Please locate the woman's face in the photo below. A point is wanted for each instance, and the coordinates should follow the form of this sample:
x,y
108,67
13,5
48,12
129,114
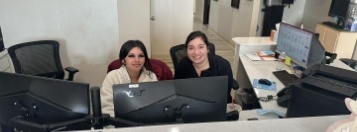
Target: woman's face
x,y
135,60
197,50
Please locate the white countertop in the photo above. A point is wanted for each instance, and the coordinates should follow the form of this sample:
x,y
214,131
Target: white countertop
x,y
253,41
264,69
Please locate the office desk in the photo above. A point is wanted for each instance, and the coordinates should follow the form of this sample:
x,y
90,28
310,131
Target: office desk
x,y
264,69
258,70
249,45
248,70
311,124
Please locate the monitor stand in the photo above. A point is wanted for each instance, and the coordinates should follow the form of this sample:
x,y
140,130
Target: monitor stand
x,y
23,121
175,115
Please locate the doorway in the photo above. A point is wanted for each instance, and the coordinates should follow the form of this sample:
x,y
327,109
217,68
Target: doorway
x,y
171,22
206,7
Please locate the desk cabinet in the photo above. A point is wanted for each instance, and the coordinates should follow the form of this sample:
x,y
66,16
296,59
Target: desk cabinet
x,y
5,62
337,41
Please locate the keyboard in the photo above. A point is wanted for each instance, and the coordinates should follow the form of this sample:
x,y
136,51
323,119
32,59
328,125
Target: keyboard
x,y
284,77
331,24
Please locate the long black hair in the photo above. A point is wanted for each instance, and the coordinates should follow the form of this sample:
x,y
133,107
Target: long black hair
x,y
130,44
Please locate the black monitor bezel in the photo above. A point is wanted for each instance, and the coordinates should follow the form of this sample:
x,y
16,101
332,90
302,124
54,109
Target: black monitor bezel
x,y
221,105
26,97
333,14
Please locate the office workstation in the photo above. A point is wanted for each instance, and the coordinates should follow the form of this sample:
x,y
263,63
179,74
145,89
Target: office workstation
x,y
253,70
179,101
62,114
83,114
248,70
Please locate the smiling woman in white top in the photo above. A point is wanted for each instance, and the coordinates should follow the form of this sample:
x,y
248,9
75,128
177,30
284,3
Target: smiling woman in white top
x,y
136,68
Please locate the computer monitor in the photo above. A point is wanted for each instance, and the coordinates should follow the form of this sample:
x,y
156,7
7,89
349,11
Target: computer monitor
x,y
172,101
339,8
31,102
302,46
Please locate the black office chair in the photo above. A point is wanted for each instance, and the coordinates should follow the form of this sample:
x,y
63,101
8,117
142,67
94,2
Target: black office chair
x,y
350,62
330,57
179,51
39,58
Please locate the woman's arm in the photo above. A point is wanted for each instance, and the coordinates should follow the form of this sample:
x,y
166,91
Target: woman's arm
x,y
106,95
226,69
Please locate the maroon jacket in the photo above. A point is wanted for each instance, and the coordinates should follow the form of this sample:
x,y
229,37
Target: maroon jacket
x,y
161,69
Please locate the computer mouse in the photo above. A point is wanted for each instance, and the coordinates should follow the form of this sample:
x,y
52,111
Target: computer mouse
x,y
264,82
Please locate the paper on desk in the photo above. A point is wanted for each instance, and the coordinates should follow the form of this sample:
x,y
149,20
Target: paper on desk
x,y
253,56
263,112
256,84
268,58
266,53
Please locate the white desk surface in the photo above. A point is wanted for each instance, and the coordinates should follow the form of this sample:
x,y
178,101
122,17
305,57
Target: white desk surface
x,y
253,41
310,124
264,69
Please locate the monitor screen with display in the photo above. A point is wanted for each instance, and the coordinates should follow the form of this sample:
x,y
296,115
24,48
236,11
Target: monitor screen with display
x,y
31,103
339,8
302,46
172,101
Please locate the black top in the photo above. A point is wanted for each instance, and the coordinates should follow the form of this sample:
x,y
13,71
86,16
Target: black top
x,y
218,66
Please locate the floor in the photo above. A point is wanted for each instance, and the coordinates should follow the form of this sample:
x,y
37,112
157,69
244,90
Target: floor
x,y
223,48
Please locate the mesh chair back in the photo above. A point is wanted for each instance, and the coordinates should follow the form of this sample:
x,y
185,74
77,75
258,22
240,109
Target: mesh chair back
x,y
39,58
179,51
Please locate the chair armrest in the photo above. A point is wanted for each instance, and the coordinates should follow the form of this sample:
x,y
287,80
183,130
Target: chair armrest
x,y
332,57
235,84
71,71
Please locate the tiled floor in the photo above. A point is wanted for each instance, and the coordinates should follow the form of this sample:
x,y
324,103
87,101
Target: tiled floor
x,y
222,47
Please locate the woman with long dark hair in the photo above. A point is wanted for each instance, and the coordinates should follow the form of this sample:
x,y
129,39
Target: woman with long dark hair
x,y
136,68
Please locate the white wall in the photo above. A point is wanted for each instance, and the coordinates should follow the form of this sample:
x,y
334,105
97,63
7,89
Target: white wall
x,y
294,15
199,4
134,22
316,11
260,19
173,22
86,29
229,22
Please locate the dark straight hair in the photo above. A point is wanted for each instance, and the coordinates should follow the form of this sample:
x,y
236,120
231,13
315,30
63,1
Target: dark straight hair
x,y
196,34
130,44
